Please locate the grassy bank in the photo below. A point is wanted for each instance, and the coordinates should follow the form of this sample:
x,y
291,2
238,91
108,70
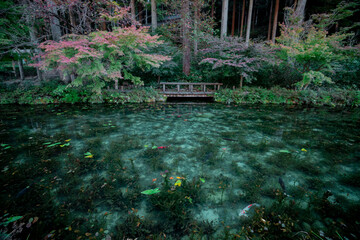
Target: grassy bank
x,y
52,93
321,97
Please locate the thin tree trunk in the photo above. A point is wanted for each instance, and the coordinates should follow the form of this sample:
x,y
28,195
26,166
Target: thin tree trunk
x,y
116,84
241,81
224,18
249,23
141,12
34,43
54,22
300,10
275,21
186,36
21,69
213,9
146,15
254,17
270,15
196,26
153,16
242,19
14,68
132,9
72,19
233,19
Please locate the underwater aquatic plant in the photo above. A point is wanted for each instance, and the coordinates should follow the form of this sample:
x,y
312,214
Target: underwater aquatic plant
x,y
151,191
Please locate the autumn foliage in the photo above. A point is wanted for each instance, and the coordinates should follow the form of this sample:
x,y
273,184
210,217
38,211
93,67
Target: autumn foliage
x,y
102,56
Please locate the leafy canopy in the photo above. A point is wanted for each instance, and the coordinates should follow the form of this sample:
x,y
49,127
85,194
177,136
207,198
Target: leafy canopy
x,y
102,56
311,50
232,57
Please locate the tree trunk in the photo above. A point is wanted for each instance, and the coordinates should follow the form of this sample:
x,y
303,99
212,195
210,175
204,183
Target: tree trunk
x,y
213,9
72,19
275,21
153,16
196,25
34,43
242,19
300,10
233,19
116,84
186,36
254,18
241,81
54,22
132,9
140,12
21,69
224,18
14,68
249,23
270,15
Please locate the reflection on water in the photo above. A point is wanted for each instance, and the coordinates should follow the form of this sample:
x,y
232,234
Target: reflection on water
x,y
170,171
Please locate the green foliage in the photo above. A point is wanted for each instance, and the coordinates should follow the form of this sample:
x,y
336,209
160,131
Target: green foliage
x,y
315,78
232,58
335,97
312,51
103,56
13,31
51,92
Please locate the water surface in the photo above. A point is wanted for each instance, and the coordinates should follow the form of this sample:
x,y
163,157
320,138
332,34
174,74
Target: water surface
x,y
80,171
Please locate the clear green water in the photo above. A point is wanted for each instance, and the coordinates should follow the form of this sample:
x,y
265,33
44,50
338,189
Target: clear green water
x,y
80,170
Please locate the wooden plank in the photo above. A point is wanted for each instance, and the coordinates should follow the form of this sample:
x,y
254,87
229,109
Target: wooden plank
x,y
184,83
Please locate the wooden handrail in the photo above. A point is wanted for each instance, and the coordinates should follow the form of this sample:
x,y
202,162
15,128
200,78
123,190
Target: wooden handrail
x,y
191,86
184,83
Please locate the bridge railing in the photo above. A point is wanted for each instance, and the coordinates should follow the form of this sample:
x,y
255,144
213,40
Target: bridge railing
x,y
186,88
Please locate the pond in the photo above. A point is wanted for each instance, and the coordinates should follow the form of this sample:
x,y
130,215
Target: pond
x,y
179,171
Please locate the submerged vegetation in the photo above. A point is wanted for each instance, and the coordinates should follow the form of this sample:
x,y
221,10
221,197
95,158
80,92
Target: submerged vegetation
x,y
88,152
96,172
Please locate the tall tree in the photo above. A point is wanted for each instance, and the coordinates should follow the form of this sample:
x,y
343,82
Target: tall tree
x,y
34,41
242,19
21,68
132,9
54,22
248,28
300,10
185,17
224,18
275,23
153,16
270,16
233,19
213,9
197,6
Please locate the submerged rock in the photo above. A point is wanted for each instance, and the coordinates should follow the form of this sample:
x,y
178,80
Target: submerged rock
x,y
319,226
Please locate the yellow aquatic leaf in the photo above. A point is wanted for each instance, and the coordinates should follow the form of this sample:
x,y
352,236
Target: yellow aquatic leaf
x,y
178,183
304,150
89,156
67,140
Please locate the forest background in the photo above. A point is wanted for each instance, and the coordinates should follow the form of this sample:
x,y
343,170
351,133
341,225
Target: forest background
x,y
83,47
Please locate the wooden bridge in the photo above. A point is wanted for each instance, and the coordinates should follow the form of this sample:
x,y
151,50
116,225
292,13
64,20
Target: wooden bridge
x,y
183,89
